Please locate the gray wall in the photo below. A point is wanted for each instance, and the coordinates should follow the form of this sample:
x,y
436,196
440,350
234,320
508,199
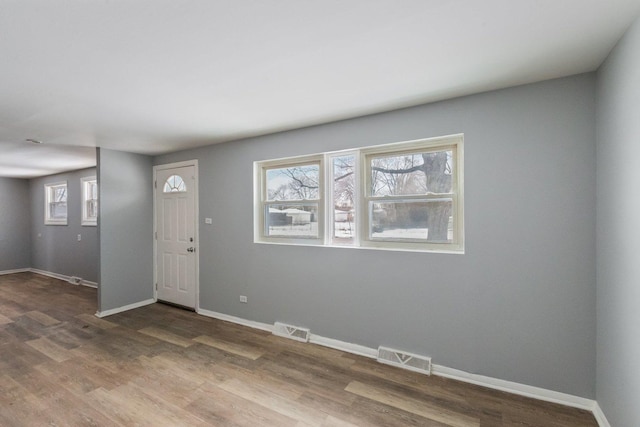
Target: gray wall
x,y
126,229
55,248
618,119
15,232
519,305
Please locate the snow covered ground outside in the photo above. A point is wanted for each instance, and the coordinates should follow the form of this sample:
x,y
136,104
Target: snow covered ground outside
x,y
346,230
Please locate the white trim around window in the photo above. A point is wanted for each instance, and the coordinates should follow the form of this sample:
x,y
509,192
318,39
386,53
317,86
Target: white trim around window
x,y
55,203
89,189
290,200
399,196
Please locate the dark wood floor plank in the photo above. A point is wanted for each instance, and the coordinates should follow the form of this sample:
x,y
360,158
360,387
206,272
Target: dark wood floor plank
x,y
42,318
159,365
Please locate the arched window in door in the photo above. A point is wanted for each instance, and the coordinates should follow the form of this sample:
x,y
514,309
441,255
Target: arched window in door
x,y
174,184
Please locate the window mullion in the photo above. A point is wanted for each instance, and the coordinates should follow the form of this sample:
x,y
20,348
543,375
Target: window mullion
x,y
388,192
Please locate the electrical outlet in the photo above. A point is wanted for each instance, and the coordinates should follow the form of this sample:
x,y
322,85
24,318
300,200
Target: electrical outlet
x,y
208,221
79,237
243,299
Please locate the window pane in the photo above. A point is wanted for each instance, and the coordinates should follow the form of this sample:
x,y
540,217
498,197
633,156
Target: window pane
x,y
344,182
92,190
411,174
431,221
92,209
174,184
58,210
293,183
59,193
292,220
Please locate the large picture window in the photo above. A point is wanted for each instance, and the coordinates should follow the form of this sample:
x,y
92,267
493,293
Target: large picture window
x,y
404,196
55,203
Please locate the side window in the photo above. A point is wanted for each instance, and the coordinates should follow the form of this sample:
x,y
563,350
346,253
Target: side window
x,y
344,194
55,203
411,196
290,202
89,187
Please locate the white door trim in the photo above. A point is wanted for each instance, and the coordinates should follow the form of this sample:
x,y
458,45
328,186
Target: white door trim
x,y
196,200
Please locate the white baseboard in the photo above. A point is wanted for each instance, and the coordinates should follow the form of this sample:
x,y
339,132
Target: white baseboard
x,y
89,284
443,371
237,320
515,388
94,285
314,339
600,418
347,347
50,274
63,277
18,270
128,307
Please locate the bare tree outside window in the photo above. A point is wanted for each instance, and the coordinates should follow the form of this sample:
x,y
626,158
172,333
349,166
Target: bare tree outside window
x,y
58,205
399,196
290,188
293,183
399,181
55,203
344,195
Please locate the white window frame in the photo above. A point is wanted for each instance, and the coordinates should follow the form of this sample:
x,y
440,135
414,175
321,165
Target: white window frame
x,y
48,195
84,185
261,202
329,204
452,143
362,239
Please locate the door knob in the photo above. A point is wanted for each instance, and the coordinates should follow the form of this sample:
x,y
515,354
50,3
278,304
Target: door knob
x,y
191,249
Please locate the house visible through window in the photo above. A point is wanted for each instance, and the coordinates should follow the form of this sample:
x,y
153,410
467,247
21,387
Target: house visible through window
x,y
405,196
344,198
89,200
292,203
55,211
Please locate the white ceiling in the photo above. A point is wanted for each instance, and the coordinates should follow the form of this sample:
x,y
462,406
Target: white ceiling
x,y
153,76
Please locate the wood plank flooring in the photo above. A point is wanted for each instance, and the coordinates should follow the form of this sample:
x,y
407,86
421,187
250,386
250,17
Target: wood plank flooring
x,y
162,366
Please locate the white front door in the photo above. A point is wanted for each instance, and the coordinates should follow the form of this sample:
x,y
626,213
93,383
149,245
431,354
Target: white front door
x,y
176,235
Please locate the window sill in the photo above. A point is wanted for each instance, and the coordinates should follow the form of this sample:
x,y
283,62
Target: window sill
x,y
457,251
